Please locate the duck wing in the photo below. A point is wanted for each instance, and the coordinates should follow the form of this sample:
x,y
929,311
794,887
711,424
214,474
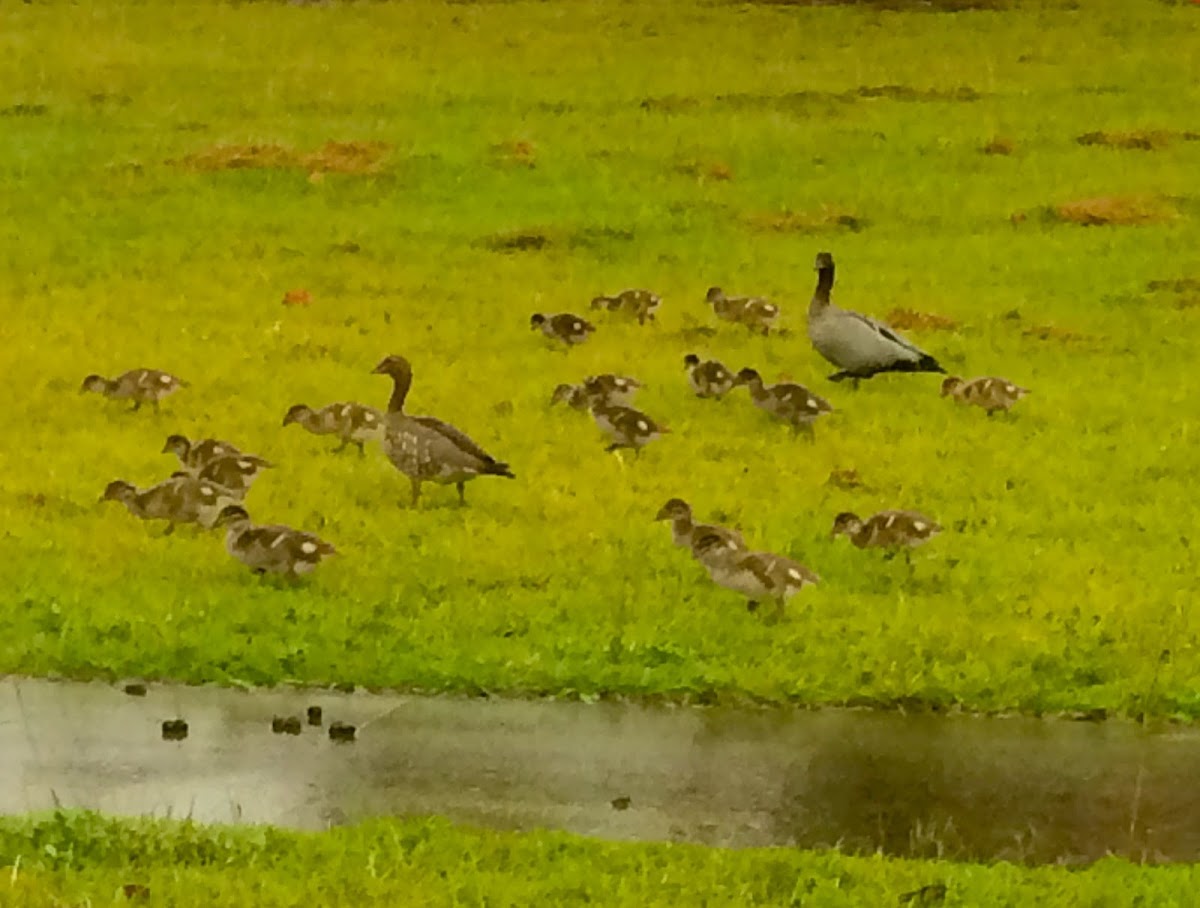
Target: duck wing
x,y
461,441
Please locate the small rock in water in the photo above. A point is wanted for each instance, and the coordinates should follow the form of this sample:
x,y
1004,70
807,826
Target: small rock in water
x,y
621,803
174,729
314,715
341,731
135,689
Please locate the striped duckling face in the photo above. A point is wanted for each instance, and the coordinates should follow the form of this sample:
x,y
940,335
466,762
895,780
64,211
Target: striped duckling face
x,y
887,529
298,413
565,327
119,490
992,394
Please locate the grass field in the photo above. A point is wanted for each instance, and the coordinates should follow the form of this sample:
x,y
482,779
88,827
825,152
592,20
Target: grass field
x,y
77,859
651,144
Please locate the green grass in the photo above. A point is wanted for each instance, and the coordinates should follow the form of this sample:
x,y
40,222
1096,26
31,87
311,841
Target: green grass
x,y
77,859
1063,579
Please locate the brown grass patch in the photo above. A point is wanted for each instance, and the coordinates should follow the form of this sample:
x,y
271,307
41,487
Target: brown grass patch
x,y
534,239
1179,285
907,319
1114,210
1139,139
1054,333
332,157
999,145
827,218
705,171
845,479
1185,289
515,153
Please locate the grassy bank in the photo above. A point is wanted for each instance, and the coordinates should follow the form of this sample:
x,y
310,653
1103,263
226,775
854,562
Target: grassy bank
x,y
86,859
629,144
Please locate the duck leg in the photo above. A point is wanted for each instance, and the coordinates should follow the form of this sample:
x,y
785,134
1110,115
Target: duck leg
x,y
361,450
416,491
462,493
342,446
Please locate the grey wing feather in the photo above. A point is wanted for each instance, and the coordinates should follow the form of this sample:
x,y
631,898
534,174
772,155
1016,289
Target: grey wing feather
x,y
456,436
887,332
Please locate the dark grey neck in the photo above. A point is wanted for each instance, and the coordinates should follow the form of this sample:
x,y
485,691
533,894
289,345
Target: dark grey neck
x,y
399,393
824,284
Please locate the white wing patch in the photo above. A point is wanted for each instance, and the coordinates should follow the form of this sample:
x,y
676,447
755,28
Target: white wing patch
x,y
641,424
165,379
308,548
919,526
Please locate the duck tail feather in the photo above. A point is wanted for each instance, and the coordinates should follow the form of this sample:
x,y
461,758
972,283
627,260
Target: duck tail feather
x,y
496,468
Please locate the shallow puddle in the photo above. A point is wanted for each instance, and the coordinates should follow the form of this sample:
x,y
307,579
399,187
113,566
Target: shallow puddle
x,y
1018,789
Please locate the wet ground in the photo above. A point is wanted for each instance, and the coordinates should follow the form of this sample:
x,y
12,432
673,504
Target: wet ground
x,y
1018,789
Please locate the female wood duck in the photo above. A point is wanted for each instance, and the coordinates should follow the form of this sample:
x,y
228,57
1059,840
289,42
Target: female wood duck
x,y
426,449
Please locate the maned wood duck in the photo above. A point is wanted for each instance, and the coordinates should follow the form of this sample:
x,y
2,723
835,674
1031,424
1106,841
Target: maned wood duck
x,y
195,455
426,449
894,530
859,346
352,423
754,312
271,549
236,472
787,401
709,378
756,575
180,499
139,385
626,427
685,531
990,393
564,327
642,304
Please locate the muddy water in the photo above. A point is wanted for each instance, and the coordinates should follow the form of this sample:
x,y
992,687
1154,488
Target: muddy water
x,y
1018,789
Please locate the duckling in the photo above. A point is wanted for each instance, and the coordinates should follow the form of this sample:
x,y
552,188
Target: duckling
x,y
709,378
788,401
625,426
892,530
859,346
990,393
564,327
195,455
180,499
426,449
236,472
754,312
641,304
273,549
351,422
756,575
139,385
685,532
